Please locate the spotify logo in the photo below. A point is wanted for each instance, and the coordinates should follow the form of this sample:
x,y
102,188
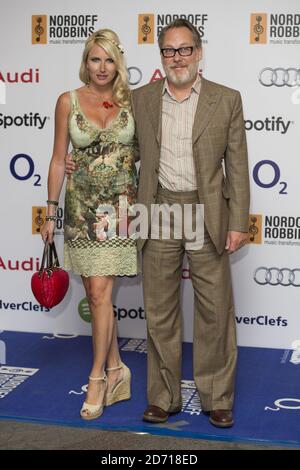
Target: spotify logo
x,y
84,310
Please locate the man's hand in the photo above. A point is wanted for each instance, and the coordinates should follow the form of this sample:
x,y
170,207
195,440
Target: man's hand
x,y
70,165
235,240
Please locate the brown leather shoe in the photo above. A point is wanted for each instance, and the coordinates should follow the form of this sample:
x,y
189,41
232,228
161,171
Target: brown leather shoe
x,y
154,414
221,418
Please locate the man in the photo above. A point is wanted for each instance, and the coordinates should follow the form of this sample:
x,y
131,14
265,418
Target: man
x,y
186,126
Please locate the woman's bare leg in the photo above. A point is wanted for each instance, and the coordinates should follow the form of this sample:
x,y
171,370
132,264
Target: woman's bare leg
x,y
99,293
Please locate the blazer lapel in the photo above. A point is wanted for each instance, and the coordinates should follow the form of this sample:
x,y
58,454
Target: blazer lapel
x,y
154,107
207,103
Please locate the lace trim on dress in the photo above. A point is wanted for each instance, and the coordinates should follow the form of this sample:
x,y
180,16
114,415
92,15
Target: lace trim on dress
x,y
99,260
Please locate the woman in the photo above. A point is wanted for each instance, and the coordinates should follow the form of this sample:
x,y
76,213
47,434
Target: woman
x,y
97,119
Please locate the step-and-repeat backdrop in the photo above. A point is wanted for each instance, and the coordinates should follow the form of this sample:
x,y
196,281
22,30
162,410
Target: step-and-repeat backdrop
x,y
251,46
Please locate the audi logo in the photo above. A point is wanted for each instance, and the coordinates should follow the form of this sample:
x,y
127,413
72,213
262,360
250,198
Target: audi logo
x,y
280,77
134,75
277,276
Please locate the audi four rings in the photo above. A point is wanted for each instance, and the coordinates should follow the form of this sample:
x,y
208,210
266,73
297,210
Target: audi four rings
x,y
277,276
280,77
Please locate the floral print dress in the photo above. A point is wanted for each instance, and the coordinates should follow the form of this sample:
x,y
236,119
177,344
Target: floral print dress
x,y
100,195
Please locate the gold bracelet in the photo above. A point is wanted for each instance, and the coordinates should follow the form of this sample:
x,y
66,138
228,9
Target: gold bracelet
x,y
52,203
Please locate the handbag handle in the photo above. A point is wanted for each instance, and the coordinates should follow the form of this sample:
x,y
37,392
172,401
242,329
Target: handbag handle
x,y
51,255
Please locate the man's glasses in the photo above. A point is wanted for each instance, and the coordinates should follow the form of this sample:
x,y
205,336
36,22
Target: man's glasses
x,y
168,52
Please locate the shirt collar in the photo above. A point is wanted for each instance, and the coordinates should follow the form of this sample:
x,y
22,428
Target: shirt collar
x,y
195,87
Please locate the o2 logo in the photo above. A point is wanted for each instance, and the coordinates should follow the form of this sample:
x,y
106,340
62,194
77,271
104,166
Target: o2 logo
x,y
263,181
134,75
22,168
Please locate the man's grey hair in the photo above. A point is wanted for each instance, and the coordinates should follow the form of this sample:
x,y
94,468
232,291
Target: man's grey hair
x,y
180,23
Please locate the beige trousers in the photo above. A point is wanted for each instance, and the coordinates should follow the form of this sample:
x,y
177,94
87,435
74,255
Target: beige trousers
x,y
214,340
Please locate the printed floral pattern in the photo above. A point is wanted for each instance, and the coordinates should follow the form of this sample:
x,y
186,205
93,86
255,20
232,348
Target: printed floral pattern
x,y
105,176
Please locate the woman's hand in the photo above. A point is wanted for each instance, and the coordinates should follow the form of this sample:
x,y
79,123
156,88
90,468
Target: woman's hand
x,y
47,231
70,165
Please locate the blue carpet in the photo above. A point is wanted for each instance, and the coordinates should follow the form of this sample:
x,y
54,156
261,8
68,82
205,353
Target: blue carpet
x,y
42,379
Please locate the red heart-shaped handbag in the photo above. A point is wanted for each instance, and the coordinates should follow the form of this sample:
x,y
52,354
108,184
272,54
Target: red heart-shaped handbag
x,y
50,284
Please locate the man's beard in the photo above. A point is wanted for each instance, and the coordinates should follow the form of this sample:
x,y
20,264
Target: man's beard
x,y
185,76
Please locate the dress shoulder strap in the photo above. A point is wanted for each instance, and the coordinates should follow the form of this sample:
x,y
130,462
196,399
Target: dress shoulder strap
x,y
74,100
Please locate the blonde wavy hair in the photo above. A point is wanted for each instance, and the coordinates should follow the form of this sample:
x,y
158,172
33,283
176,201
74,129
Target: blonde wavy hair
x,y
109,41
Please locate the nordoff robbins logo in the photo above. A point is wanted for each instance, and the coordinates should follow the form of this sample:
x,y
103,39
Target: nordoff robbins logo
x,y
280,77
277,276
